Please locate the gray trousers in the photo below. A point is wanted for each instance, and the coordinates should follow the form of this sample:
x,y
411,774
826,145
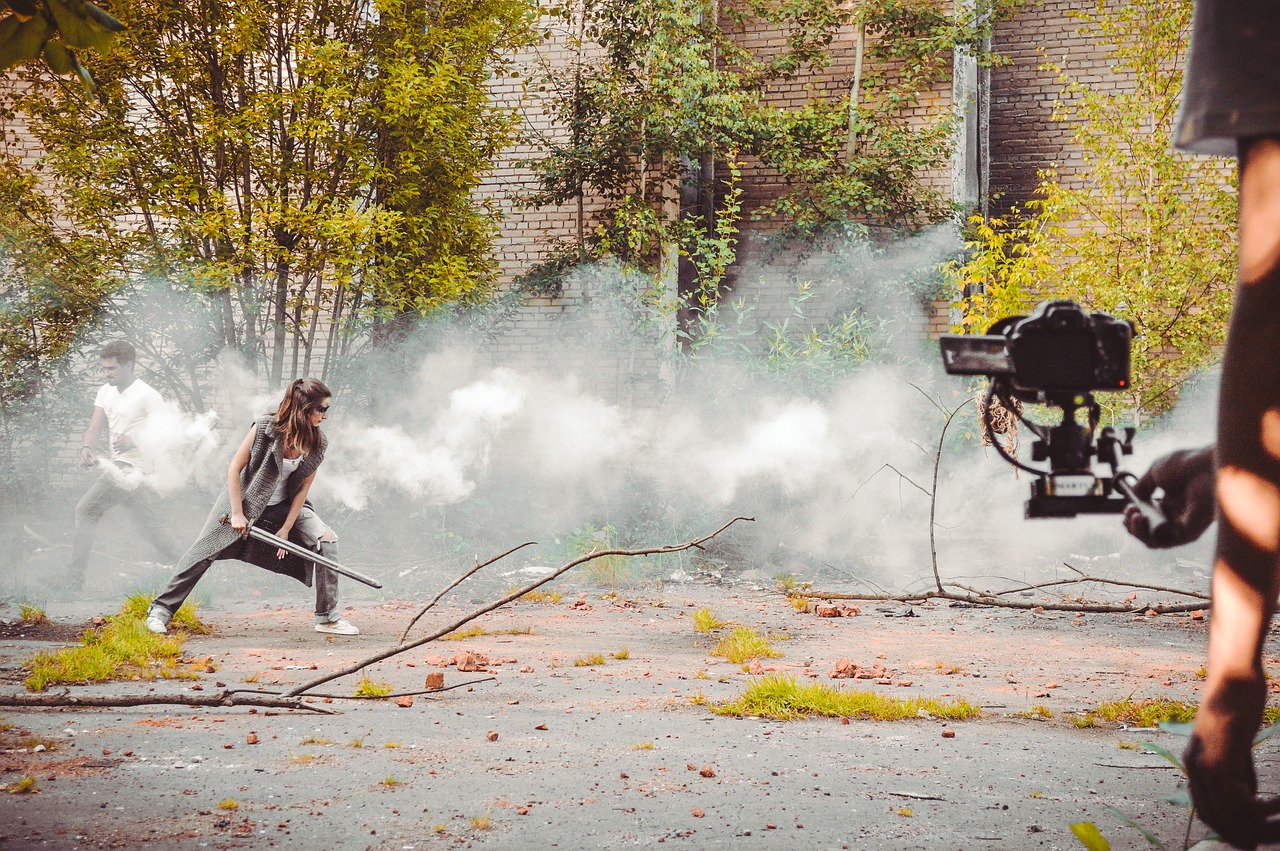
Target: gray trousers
x,y
309,527
142,502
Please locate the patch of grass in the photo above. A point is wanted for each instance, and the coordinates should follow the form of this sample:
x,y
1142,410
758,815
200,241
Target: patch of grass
x,y
905,812
1128,746
1271,715
799,602
785,582
481,822
120,648
642,746
391,745
356,743
24,786
588,661
228,804
391,781
947,669
184,620
1038,711
702,675
704,621
316,740
743,645
252,678
474,631
368,688
31,615
622,655
303,759
1141,713
785,698
537,595
1202,672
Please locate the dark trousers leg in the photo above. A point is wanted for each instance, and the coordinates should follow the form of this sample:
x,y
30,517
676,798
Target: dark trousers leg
x,y
168,601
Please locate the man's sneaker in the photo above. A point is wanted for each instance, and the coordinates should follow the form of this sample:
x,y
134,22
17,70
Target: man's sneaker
x,y
338,627
156,625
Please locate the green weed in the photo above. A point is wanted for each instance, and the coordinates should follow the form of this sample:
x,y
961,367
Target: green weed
x,y
24,786
31,615
704,621
122,647
474,631
784,698
368,688
537,595
743,645
588,661
1140,713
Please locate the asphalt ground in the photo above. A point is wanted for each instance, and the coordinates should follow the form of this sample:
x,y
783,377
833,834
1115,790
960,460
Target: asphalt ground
x,y
549,748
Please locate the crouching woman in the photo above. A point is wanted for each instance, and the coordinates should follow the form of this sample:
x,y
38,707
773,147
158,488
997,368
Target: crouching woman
x,y
267,485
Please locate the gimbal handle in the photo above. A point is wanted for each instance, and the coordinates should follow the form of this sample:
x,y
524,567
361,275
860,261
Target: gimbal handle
x,y
1109,448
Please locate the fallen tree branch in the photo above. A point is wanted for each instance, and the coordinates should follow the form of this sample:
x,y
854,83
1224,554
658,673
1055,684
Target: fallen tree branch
x,y
514,595
225,698
979,598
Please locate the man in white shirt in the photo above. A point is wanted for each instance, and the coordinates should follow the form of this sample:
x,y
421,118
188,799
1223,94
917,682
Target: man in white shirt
x,y
123,405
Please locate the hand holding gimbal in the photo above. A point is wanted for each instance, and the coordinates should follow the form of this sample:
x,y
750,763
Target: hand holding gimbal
x,y
1058,356
1187,479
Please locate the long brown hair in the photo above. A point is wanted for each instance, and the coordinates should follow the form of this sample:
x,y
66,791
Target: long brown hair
x,y
293,417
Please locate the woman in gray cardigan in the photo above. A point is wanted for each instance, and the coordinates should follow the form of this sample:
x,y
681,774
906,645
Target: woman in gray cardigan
x,y
268,480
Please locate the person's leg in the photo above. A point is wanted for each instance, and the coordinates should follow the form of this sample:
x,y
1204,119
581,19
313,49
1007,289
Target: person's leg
x,y
315,533
1219,757
101,496
144,505
169,600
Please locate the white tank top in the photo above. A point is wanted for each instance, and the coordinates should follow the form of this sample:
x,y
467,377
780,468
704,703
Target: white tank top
x,y
287,468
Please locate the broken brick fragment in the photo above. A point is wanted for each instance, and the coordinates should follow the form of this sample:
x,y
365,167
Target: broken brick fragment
x,y
405,701
492,735
435,680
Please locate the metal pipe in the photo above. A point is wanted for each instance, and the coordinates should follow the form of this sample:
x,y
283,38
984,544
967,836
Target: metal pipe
x,y
302,552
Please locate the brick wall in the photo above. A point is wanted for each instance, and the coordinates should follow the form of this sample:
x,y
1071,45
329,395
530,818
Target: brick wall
x,y
1024,138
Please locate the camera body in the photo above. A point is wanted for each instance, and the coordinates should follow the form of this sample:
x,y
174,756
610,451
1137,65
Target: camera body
x,y
1059,350
1059,355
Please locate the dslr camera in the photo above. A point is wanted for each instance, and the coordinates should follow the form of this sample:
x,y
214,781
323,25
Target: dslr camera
x,y
1059,356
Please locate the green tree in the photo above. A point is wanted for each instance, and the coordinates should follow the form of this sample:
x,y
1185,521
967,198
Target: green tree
x,y
1145,233
663,98
306,168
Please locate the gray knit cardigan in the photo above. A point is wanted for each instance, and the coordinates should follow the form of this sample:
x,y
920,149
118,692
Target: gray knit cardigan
x,y
257,482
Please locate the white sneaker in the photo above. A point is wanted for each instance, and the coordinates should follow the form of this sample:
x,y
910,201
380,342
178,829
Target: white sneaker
x,y
338,627
156,625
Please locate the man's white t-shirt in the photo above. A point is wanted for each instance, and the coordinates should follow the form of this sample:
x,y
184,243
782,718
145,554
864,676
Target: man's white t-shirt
x,y
127,414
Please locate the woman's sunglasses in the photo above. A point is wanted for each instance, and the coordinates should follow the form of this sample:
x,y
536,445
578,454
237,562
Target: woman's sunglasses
x,y
324,409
